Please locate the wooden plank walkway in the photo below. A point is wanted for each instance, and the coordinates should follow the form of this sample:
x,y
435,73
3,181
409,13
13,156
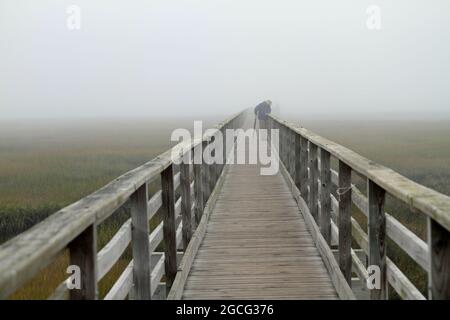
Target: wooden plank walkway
x,y
257,245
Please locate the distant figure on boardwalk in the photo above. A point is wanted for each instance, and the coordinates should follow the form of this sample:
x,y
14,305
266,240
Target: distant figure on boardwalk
x,y
261,112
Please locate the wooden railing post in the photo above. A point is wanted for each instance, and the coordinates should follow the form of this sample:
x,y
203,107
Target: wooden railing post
x,y
439,246
344,220
280,140
292,153
169,226
325,200
205,175
198,183
304,169
313,181
140,244
282,143
83,254
185,183
212,169
377,237
298,162
286,147
224,148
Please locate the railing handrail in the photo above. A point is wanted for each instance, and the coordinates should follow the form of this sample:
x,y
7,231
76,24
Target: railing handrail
x,y
420,198
26,254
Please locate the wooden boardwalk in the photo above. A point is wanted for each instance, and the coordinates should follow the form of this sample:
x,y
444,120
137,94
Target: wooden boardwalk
x,y
257,245
228,232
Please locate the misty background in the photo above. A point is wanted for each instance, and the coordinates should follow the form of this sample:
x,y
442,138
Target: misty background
x,y
198,58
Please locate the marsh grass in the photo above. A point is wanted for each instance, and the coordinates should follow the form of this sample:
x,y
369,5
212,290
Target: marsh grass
x,y
46,165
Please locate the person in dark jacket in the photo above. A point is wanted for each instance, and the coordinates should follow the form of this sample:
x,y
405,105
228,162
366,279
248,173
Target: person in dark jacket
x,y
261,112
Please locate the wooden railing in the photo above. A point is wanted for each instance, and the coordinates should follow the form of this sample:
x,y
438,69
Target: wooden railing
x,y
306,159
75,228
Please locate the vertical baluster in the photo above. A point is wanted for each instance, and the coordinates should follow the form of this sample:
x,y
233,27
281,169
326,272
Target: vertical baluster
x,y
291,153
304,169
287,162
292,150
83,254
224,147
377,236
205,174
439,275
198,183
212,171
169,229
344,220
313,183
216,164
285,147
140,244
325,200
282,142
297,161
185,183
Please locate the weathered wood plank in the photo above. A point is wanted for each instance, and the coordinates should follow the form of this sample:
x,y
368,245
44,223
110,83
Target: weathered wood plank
x,y
123,285
179,234
377,234
83,254
401,283
344,220
186,202
112,251
211,169
205,176
176,179
312,182
154,204
304,191
291,148
439,241
297,160
325,200
157,273
169,228
156,237
198,185
140,243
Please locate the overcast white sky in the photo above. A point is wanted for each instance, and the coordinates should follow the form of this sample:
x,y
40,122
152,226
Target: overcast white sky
x,y
143,58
